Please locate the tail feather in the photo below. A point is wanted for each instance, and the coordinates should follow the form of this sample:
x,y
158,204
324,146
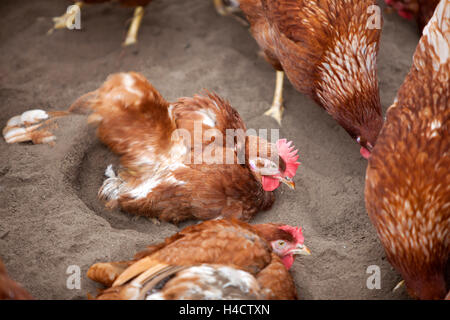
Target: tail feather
x,y
83,104
130,282
129,111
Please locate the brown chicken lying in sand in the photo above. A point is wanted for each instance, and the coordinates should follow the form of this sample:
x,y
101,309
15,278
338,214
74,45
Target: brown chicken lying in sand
x,y
421,10
217,259
9,289
170,169
328,50
68,19
408,177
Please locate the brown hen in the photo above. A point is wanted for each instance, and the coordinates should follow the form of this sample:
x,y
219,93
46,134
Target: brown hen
x,y
408,178
185,160
217,259
328,50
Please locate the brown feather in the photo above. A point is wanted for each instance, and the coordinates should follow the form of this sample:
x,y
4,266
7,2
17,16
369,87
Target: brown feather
x,y
229,243
328,53
408,178
135,122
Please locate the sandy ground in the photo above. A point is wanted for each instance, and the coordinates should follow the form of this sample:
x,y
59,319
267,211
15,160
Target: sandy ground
x,y
50,217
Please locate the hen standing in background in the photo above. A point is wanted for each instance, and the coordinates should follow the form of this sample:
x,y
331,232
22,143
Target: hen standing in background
x,y
328,50
218,259
69,17
408,177
170,169
9,289
421,10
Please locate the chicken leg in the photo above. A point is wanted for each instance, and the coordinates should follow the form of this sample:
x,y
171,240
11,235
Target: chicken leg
x,y
276,110
66,19
134,26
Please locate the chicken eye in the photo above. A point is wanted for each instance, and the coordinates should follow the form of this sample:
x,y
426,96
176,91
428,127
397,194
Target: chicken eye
x,y
281,243
265,163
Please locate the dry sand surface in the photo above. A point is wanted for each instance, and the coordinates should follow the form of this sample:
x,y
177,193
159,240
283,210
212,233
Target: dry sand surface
x,y
50,217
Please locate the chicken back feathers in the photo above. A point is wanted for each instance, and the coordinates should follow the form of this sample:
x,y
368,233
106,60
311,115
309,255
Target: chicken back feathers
x,y
240,248
328,50
408,178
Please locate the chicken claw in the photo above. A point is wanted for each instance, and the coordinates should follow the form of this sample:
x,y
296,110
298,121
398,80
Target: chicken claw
x,y
31,126
66,19
134,26
277,108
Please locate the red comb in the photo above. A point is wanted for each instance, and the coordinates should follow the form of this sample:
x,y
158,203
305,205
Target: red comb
x,y
296,232
289,155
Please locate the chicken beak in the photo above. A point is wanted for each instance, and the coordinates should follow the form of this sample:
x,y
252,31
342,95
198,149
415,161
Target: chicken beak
x,y
300,249
287,181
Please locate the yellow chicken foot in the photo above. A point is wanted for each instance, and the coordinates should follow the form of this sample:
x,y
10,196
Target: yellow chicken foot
x,y
134,27
67,19
276,110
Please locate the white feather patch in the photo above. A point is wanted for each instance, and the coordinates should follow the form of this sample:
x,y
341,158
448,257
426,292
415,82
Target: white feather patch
x,y
437,33
209,117
33,116
129,84
14,121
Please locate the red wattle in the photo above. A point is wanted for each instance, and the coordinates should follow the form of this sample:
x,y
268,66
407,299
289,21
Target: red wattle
x,y
269,183
365,153
288,261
